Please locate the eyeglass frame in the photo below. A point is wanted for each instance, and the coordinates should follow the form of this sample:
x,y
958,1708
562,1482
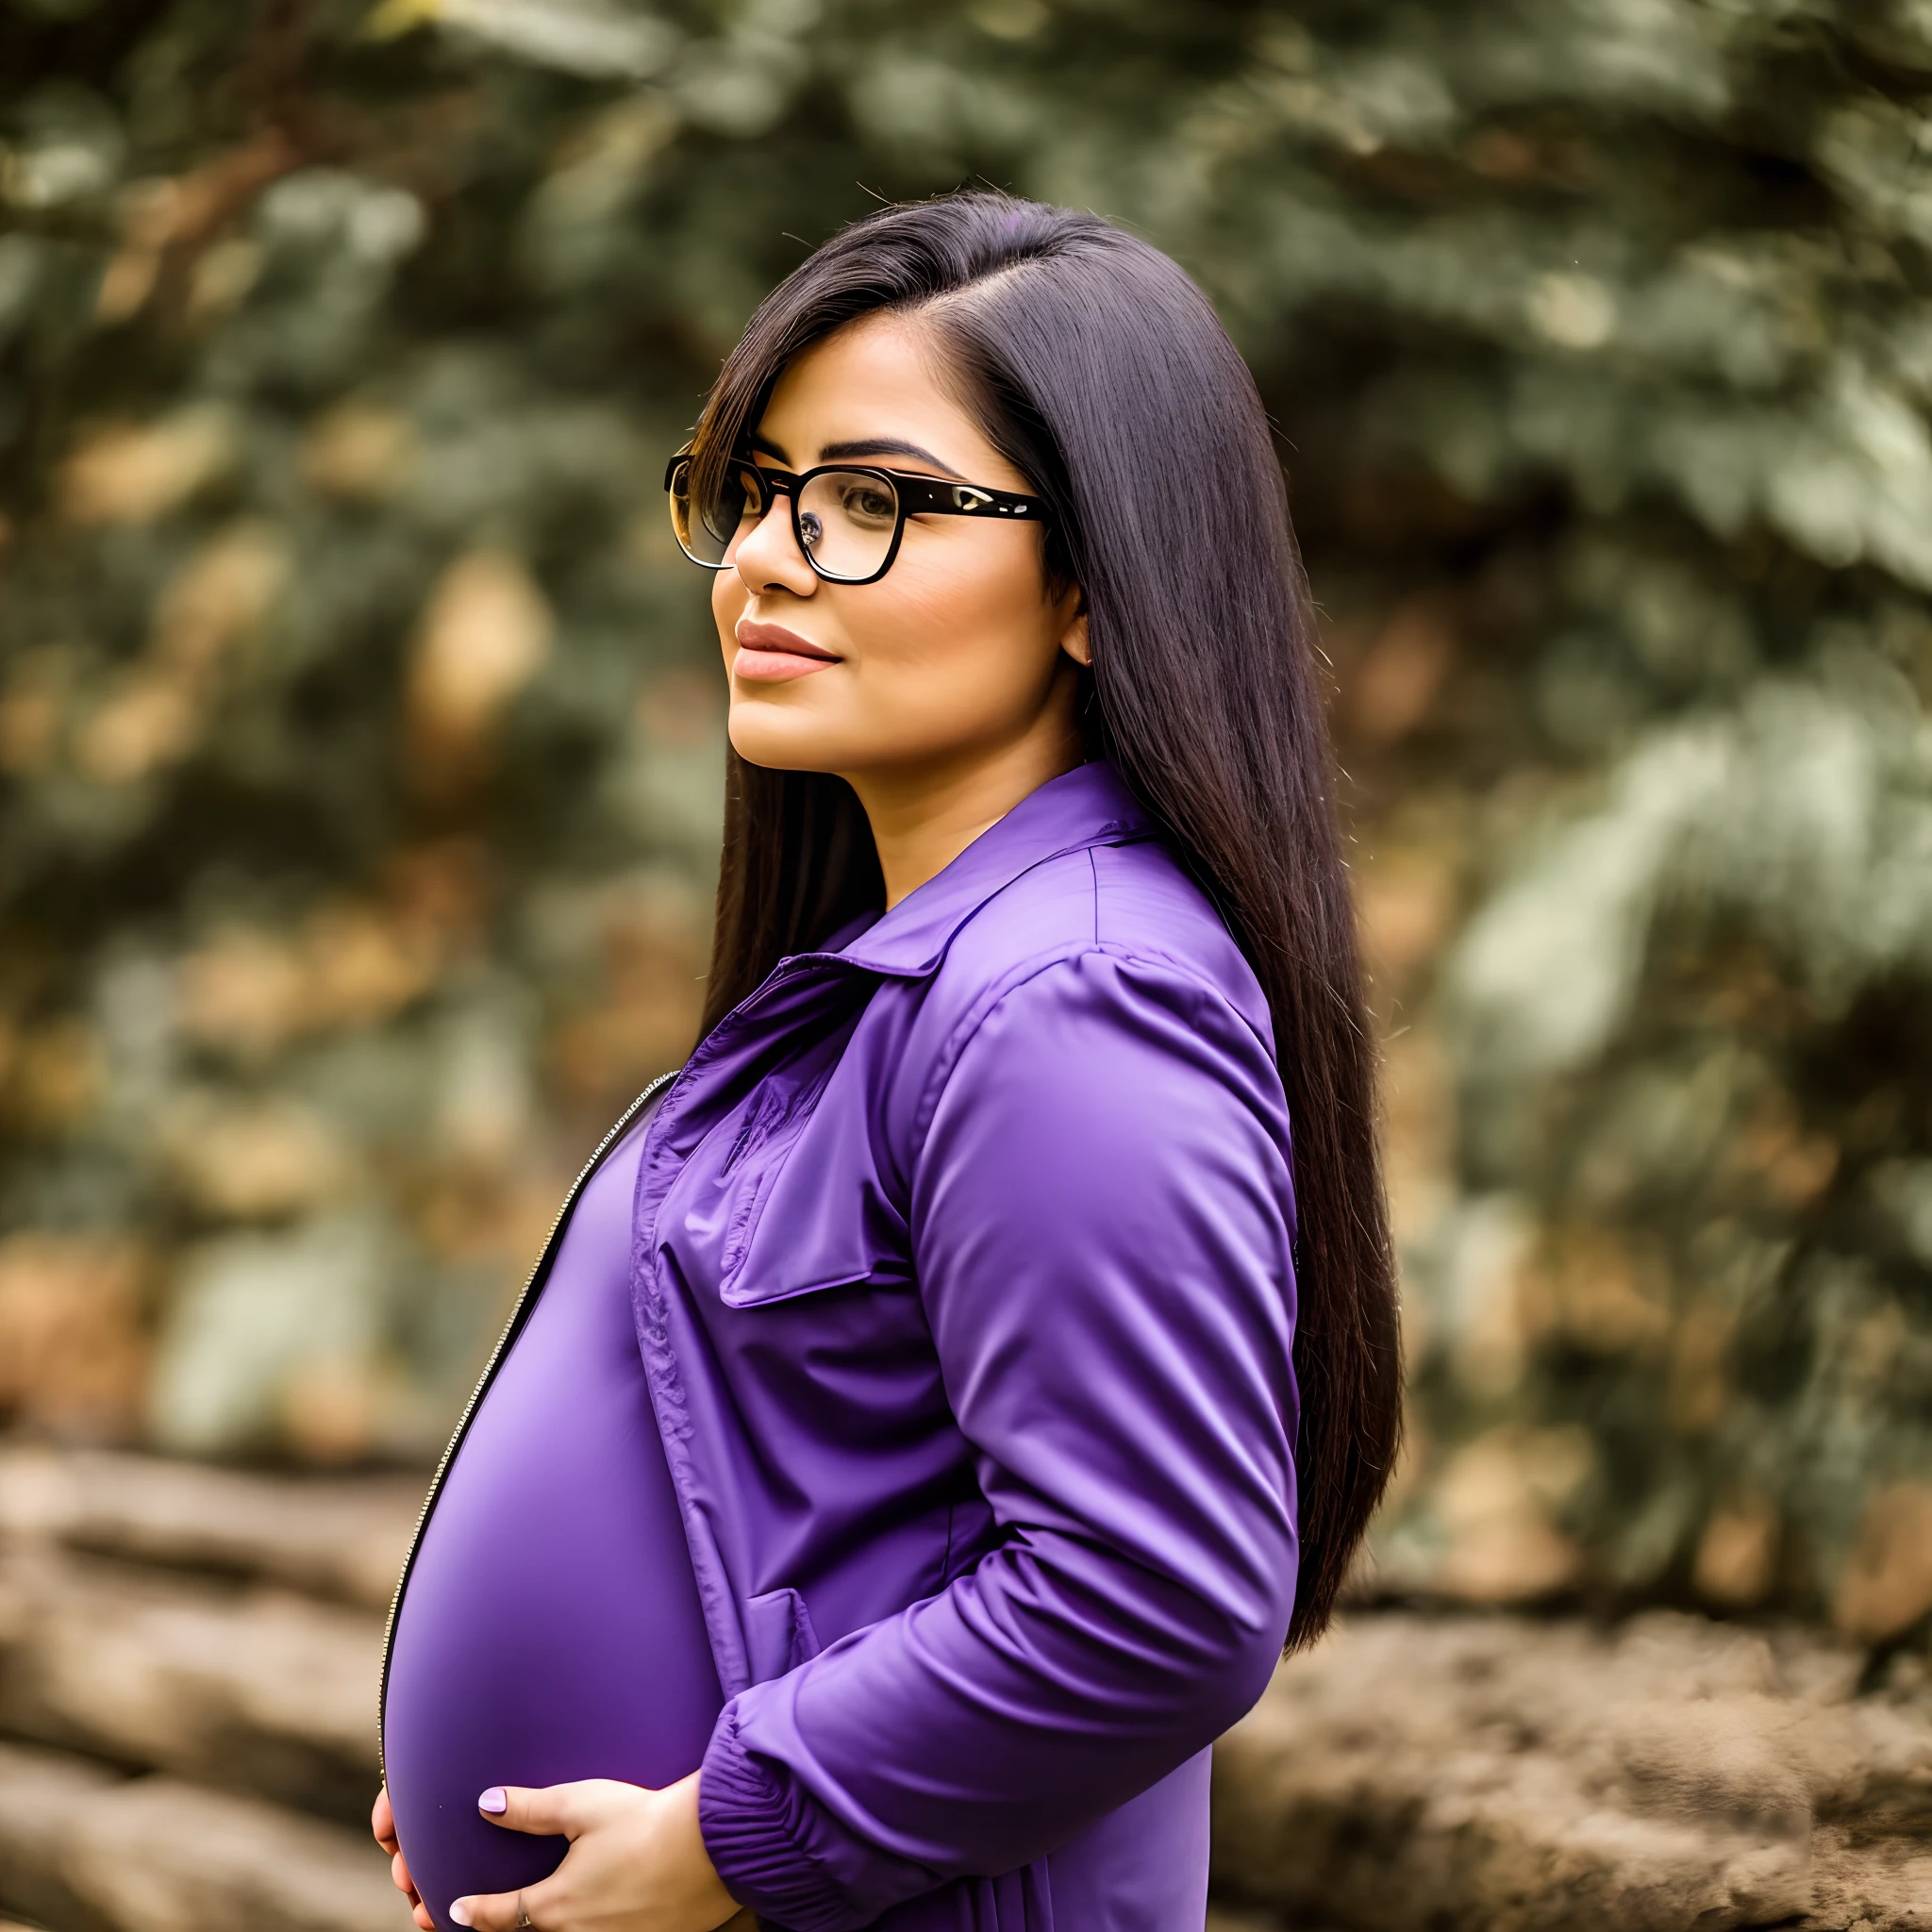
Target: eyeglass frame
x,y
916,495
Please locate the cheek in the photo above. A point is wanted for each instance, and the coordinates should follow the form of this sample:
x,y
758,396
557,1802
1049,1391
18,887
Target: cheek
x,y
965,625
729,599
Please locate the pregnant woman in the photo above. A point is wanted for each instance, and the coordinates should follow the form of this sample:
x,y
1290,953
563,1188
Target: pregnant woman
x,y
946,1396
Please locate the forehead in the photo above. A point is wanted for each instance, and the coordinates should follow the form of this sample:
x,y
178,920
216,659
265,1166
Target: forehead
x,y
877,379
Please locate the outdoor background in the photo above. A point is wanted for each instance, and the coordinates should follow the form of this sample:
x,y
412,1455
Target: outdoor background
x,y
360,726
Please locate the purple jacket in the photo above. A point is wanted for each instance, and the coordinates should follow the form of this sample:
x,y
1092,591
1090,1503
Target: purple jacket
x,y
962,1274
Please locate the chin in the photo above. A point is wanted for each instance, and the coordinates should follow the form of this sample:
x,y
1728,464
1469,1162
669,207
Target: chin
x,y
780,743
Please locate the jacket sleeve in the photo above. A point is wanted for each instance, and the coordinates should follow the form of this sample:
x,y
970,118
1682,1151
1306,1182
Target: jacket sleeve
x,y
1101,1222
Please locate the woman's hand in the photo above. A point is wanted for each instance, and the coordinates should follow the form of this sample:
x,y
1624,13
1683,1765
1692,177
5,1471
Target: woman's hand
x,y
382,1822
637,1862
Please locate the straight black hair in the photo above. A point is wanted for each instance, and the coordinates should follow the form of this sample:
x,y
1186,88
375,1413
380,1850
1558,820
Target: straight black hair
x,y
1101,372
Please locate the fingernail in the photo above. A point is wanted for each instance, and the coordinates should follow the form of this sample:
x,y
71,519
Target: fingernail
x,y
461,1911
493,1800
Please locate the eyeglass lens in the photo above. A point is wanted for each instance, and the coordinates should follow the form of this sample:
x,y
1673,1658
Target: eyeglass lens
x,y
708,530
846,519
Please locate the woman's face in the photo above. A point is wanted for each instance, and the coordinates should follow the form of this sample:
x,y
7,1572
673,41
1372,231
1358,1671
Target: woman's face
x,y
956,655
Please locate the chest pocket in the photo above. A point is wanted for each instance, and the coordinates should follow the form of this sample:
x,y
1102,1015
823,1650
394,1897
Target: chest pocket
x,y
803,1208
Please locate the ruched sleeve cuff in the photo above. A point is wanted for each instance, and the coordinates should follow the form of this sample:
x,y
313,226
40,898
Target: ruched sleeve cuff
x,y
785,1856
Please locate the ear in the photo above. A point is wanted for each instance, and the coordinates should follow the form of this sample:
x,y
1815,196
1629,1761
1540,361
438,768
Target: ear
x,y
1073,639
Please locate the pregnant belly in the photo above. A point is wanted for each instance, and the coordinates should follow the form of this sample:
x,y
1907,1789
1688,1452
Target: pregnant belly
x,y
550,1629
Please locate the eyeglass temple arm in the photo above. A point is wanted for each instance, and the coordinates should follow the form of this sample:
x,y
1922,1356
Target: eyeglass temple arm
x,y
927,496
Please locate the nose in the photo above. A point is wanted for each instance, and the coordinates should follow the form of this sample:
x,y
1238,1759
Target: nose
x,y
768,557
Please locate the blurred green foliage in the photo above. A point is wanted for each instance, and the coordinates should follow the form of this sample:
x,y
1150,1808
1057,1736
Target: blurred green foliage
x,y
360,733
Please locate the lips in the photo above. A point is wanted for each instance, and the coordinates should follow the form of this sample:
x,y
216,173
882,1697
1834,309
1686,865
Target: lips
x,y
775,637
768,653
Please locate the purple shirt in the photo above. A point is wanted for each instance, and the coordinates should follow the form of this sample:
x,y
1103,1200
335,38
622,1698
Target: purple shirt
x,y
962,1274
550,1629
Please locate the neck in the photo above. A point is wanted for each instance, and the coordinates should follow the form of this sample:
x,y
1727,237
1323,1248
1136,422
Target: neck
x,y
922,819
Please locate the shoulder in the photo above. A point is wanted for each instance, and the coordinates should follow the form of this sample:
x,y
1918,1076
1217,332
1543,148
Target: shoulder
x,y
1097,1004
1130,903
1105,970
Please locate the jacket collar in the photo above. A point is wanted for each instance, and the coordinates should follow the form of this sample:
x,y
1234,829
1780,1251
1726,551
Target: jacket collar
x,y
1089,806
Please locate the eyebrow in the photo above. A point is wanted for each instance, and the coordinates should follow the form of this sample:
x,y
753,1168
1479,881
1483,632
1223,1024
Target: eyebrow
x,y
885,446
867,446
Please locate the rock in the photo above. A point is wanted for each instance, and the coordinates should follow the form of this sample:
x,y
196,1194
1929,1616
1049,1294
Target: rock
x,y
1863,1886
247,1688
93,1853
1504,1776
342,1539
39,1794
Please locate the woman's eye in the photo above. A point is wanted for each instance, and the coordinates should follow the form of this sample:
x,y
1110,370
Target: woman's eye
x,y
871,503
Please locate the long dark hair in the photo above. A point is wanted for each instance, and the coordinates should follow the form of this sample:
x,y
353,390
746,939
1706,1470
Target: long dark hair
x,y
1101,372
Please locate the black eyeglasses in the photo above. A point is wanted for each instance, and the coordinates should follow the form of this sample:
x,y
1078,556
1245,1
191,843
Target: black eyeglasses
x,y
848,520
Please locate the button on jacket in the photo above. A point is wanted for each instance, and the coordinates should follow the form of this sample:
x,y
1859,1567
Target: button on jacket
x,y
963,1276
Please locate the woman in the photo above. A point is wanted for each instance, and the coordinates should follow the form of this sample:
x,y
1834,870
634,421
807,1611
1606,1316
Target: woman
x,y
1021,1390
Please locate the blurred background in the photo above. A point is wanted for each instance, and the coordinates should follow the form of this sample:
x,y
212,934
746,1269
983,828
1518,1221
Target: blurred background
x,y
360,726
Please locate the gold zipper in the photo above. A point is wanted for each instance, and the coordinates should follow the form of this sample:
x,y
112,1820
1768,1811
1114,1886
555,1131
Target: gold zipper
x,y
532,1284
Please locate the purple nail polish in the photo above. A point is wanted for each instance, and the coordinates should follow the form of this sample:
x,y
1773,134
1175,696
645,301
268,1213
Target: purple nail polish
x,y
495,1800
